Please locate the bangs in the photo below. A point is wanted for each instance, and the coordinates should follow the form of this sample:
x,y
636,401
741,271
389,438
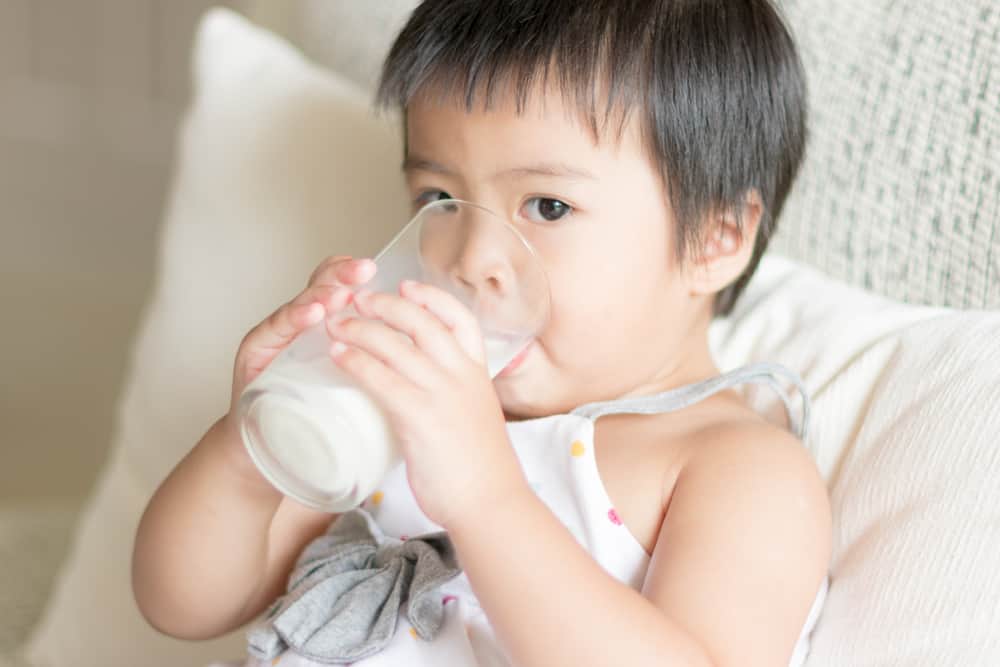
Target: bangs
x,y
511,49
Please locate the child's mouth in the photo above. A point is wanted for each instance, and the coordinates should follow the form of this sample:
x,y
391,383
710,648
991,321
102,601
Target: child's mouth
x,y
516,362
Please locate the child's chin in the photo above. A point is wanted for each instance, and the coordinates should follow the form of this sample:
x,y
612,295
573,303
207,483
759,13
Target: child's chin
x,y
514,400
521,400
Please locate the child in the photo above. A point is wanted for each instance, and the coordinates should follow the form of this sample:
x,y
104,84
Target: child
x,y
609,499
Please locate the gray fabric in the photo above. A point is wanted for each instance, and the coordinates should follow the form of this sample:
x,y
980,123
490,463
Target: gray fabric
x,y
346,591
900,189
680,397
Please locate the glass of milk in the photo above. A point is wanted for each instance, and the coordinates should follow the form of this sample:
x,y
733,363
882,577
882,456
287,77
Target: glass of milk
x,y
312,432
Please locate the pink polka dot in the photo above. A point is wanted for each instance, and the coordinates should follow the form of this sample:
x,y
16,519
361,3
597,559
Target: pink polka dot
x,y
448,598
404,537
613,515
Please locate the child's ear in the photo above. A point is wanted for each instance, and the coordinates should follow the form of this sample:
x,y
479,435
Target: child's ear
x,y
727,248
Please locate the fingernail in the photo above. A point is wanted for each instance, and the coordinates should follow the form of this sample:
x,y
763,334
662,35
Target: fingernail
x,y
337,348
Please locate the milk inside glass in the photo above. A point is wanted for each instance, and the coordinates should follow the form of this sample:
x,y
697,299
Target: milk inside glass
x,y
317,436
327,443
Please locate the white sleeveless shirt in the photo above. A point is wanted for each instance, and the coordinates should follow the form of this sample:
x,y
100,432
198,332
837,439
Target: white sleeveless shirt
x,y
557,456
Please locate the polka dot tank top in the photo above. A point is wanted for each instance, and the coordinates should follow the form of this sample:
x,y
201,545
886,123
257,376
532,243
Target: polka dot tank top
x,y
557,455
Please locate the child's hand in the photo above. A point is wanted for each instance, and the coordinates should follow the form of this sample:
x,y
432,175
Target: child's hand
x,y
434,388
327,292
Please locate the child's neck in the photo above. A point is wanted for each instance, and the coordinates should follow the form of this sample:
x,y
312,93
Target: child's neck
x,y
688,366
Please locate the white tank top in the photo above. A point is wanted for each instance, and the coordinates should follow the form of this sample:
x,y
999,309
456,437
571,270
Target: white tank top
x,y
557,456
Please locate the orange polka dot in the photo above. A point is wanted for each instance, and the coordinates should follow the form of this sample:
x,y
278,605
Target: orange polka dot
x,y
577,449
276,660
413,633
377,497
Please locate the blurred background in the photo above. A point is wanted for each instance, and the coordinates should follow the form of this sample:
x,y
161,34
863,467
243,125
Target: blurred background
x,y
92,93
90,96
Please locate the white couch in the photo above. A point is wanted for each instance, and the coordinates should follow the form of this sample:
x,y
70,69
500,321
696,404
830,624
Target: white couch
x,y
906,410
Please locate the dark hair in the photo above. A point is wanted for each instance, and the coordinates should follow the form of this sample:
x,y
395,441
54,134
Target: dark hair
x,y
719,84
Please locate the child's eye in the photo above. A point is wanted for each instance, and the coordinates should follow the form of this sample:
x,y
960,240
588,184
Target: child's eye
x,y
428,196
544,209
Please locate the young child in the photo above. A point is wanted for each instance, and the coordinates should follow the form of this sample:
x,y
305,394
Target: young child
x,y
610,498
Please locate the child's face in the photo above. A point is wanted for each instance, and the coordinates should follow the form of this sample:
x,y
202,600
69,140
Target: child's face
x,y
622,316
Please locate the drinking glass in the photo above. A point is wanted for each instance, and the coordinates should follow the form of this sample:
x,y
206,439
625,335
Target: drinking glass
x,y
312,431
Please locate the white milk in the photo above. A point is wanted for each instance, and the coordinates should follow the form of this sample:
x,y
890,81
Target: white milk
x,y
315,435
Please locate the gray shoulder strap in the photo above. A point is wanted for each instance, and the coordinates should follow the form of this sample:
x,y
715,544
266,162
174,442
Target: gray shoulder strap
x,y
680,397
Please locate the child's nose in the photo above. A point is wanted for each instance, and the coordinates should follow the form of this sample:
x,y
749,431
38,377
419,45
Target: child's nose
x,y
486,263
483,265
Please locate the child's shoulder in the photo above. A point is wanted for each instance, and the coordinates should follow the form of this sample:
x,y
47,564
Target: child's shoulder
x,y
745,474
750,447
740,446
698,460
747,520
748,523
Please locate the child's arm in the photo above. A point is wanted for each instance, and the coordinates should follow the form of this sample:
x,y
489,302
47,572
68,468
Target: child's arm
x,y
741,554
217,542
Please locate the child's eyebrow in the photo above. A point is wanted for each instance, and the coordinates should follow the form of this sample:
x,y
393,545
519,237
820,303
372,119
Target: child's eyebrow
x,y
416,163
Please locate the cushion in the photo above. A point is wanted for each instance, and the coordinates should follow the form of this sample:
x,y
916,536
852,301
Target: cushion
x,y
280,164
899,192
904,429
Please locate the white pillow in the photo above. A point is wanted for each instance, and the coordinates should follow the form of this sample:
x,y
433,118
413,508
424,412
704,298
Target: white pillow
x,y
281,165
904,428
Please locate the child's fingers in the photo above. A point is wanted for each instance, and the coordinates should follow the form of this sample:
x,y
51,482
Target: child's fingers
x,y
266,340
394,391
343,270
427,331
452,312
325,266
330,296
390,346
308,308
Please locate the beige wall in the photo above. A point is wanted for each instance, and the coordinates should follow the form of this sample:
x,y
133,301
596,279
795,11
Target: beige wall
x,y
90,95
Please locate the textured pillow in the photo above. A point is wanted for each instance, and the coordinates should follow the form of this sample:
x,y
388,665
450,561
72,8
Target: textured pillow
x,y
900,189
280,164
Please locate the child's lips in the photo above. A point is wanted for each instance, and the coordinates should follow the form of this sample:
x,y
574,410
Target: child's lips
x,y
516,362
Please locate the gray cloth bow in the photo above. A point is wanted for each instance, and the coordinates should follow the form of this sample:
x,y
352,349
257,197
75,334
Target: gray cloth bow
x,y
345,592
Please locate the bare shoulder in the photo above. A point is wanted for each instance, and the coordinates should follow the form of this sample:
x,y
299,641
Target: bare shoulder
x,y
744,543
756,453
766,469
